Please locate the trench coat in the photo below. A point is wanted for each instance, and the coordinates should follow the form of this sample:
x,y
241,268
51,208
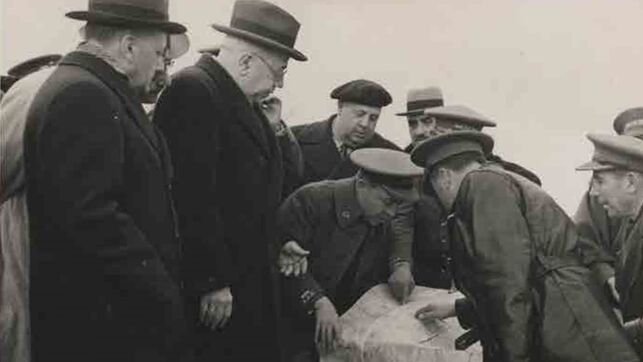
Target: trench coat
x,y
104,244
322,160
515,258
629,272
599,243
14,222
347,257
228,185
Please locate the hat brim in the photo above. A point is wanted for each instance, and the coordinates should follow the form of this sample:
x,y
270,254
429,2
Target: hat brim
x,y
420,152
595,166
252,37
417,112
115,20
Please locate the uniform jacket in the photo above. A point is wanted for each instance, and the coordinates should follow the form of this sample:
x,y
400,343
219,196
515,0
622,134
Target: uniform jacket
x,y
105,247
322,160
228,185
14,226
515,258
326,219
629,271
598,233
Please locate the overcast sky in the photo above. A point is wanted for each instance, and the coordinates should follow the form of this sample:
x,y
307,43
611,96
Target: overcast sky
x,y
547,71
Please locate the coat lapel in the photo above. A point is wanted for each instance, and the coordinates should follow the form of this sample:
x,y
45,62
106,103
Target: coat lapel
x,y
321,153
119,84
243,110
630,258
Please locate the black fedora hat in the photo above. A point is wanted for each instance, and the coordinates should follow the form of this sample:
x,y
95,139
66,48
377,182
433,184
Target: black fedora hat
x,y
134,13
265,24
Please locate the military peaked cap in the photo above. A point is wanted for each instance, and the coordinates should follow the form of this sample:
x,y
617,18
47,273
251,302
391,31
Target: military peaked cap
x,y
614,152
437,149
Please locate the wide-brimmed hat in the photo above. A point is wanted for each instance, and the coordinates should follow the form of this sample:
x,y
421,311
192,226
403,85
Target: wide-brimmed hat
x,y
614,152
434,150
460,114
265,24
129,13
419,99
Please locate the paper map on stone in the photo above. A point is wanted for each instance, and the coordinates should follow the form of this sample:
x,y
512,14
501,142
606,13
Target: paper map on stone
x,y
377,329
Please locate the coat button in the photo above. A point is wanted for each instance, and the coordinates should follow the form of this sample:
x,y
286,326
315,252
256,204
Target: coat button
x,y
144,263
346,214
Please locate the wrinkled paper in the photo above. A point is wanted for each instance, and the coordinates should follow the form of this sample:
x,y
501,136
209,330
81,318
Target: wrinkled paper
x,y
378,329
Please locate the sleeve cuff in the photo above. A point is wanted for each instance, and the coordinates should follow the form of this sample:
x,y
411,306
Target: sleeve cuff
x,y
465,313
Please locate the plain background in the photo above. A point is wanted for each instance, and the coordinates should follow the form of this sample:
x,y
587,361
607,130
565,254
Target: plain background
x,y
547,71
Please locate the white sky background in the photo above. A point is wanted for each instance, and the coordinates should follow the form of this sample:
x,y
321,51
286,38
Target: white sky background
x,y
547,71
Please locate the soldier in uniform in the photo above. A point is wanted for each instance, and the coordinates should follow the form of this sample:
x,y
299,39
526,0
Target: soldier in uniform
x,y
515,258
346,226
617,186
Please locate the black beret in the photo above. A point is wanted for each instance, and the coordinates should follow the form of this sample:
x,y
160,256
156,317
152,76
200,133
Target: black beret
x,y
364,92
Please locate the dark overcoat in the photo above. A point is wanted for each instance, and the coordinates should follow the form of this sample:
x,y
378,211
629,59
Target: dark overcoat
x,y
347,257
322,160
629,272
515,258
227,186
104,248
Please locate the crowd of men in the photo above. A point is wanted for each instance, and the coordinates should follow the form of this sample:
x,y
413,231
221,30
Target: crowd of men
x,y
209,230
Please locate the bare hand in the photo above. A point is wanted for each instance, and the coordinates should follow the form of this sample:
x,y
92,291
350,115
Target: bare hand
x,y
611,285
216,308
271,107
327,328
634,329
437,310
401,282
293,259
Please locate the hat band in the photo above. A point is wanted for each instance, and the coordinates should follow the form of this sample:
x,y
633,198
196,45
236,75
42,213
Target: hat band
x,y
263,31
423,103
130,11
620,161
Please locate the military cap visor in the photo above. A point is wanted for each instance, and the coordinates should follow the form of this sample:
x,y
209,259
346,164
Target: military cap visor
x,y
362,91
434,150
614,152
34,64
460,114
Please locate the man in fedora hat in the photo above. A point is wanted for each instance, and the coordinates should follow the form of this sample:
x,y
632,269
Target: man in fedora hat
x,y
420,125
346,226
225,139
326,144
14,229
104,242
598,230
515,258
617,186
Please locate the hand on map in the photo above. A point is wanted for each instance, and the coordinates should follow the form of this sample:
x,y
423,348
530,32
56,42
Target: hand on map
x,y
401,282
327,328
293,259
438,309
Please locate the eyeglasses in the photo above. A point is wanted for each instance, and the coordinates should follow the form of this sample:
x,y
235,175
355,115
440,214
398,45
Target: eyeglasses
x,y
276,74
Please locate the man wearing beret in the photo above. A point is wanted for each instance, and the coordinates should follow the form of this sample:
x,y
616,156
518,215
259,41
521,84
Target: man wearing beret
x,y
617,186
327,144
598,230
346,226
515,259
104,266
229,178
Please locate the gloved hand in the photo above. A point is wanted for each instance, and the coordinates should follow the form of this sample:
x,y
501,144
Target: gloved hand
x,y
293,259
401,282
327,328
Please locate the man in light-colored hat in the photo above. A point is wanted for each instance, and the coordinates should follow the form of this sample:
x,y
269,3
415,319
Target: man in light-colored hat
x,y
326,144
617,185
598,230
514,255
227,151
420,125
346,226
104,268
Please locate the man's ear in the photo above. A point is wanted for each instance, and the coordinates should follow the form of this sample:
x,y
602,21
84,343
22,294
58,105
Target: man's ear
x,y
127,47
633,181
244,63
